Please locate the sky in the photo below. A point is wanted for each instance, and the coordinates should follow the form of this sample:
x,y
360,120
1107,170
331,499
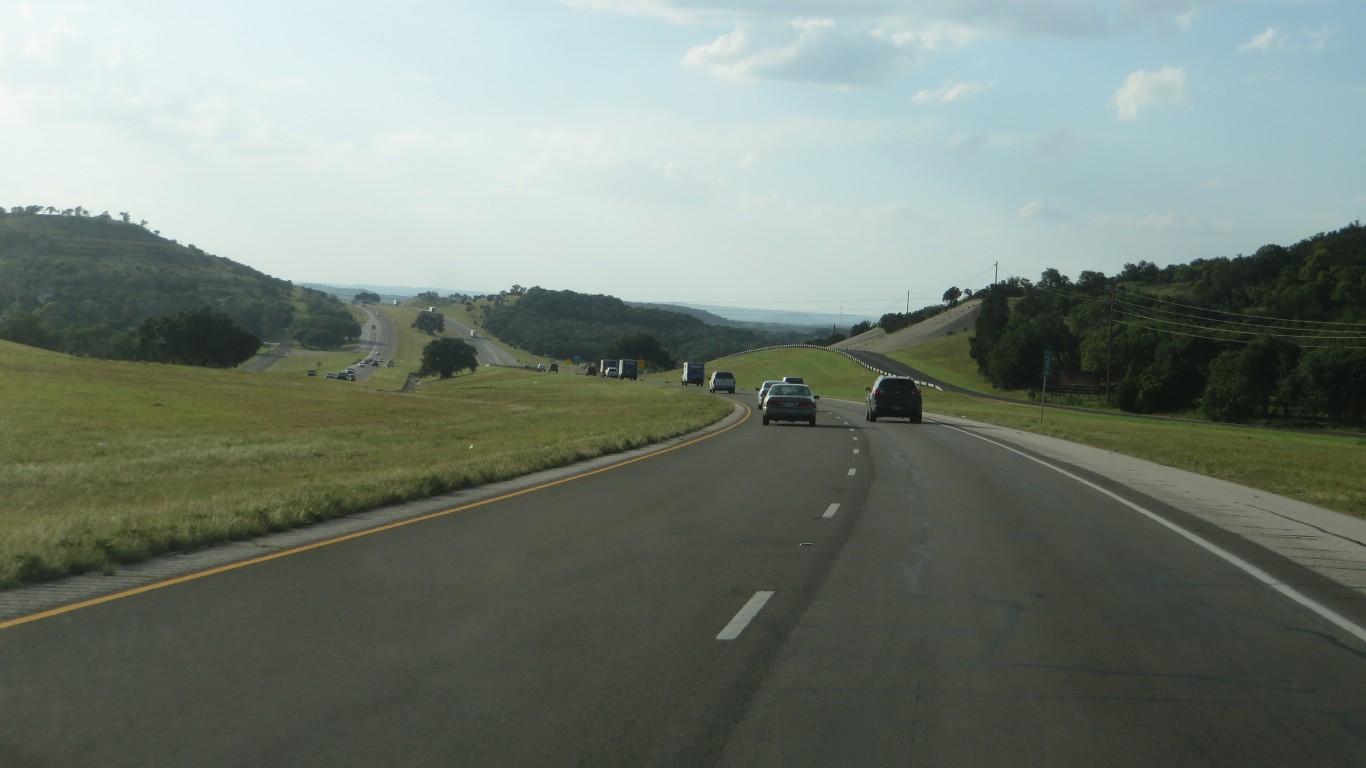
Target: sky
x,y
844,156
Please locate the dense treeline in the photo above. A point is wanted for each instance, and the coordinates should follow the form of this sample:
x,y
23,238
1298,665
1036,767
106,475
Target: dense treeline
x,y
565,324
1280,334
84,284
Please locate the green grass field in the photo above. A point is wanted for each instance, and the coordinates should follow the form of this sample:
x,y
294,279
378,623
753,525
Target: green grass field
x,y
110,462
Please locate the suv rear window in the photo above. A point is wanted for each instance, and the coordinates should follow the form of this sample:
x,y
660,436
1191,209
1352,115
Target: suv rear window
x,y
897,385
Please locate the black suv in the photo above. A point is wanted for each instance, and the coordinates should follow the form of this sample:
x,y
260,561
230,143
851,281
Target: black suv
x,y
893,396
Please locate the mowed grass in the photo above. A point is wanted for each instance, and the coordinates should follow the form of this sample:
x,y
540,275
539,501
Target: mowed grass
x,y
112,462
1324,470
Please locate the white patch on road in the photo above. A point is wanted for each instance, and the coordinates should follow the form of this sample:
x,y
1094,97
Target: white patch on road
x,y
852,471
745,616
831,510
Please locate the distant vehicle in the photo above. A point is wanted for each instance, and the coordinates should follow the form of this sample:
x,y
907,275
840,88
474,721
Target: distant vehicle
x,y
693,373
793,380
894,396
590,370
311,372
473,334
331,375
722,381
603,365
626,369
554,367
790,402
762,389
610,373
540,366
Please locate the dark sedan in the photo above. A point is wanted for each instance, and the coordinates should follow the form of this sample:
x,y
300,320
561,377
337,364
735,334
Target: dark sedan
x,y
895,396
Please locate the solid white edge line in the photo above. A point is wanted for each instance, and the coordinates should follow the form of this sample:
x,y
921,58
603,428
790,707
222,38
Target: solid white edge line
x,y
745,616
1333,617
831,510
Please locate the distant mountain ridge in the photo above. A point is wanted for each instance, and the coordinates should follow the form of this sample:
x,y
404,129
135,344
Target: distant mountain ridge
x,y
739,317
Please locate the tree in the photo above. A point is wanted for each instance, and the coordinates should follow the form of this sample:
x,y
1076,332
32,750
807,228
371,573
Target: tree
x,y
444,357
430,322
24,328
202,337
1228,391
991,322
952,295
641,346
1336,381
367,297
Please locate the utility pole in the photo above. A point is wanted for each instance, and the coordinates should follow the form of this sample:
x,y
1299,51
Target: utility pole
x,y
1110,344
996,276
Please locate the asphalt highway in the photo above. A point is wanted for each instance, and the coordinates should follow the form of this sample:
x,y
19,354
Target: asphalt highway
x,y
853,594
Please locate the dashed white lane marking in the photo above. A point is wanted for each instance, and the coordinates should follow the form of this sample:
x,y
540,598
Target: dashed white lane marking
x,y
856,451
831,510
852,471
745,616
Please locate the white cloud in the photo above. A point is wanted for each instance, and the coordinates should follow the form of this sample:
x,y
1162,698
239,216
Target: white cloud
x,y
1143,89
1305,40
1261,42
1038,210
817,50
950,92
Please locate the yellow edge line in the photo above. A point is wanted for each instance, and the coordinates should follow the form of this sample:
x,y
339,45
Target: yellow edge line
x,y
356,535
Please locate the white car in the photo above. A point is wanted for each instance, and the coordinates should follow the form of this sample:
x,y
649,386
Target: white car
x,y
723,381
763,389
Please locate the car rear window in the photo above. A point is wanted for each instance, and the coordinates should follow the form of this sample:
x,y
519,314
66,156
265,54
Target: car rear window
x,y
897,385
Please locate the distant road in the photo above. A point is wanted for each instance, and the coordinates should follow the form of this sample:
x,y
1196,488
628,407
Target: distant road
x,y
376,340
272,356
487,352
